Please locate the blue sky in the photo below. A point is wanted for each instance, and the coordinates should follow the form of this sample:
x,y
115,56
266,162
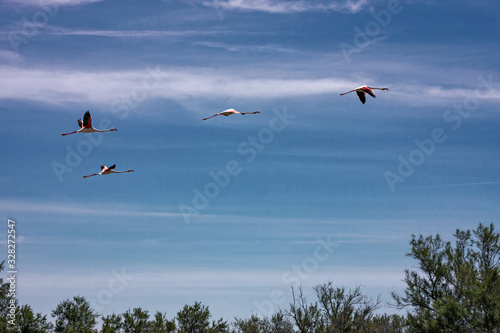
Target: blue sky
x,y
312,168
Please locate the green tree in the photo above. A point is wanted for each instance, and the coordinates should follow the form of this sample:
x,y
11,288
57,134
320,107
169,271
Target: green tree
x,y
345,310
25,321
112,323
307,317
29,322
196,319
136,321
219,326
161,324
75,316
279,323
383,323
252,325
4,301
457,287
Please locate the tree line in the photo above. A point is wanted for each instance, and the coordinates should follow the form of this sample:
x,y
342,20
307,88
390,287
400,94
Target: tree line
x,y
455,287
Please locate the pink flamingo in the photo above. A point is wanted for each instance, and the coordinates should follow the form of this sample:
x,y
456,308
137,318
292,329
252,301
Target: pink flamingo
x,y
229,112
362,91
106,171
86,126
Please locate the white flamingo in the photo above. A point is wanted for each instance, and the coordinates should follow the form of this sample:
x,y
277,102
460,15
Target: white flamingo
x,y
106,171
362,91
86,126
229,112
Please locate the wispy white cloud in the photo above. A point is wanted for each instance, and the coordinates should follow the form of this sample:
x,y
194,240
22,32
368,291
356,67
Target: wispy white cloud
x,y
59,86
131,33
219,288
249,48
287,7
8,57
210,281
459,184
421,94
119,210
63,86
12,206
41,3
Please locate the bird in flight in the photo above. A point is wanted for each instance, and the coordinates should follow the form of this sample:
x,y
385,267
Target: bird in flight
x,y
229,112
106,171
86,125
362,91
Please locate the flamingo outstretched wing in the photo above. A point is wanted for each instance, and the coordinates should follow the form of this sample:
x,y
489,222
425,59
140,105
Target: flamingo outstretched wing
x,y
369,92
361,95
244,113
87,119
362,91
129,170
107,170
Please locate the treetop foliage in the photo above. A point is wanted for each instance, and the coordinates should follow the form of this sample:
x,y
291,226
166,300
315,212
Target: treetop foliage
x,y
455,287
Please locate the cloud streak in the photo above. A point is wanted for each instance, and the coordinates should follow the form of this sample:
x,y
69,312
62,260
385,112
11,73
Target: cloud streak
x,y
459,184
180,281
51,2
62,86
287,7
67,86
76,209
132,33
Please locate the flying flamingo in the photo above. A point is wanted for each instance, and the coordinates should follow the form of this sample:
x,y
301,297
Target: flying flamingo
x,y
86,125
229,112
106,171
362,90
